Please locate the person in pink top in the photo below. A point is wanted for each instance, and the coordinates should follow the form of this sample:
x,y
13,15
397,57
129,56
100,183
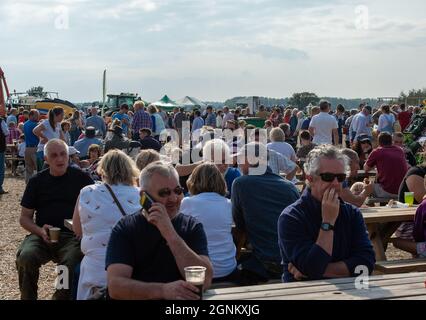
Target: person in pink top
x,y
391,167
14,133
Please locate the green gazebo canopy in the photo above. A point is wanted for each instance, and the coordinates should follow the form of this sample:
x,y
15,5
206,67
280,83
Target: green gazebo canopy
x,y
166,103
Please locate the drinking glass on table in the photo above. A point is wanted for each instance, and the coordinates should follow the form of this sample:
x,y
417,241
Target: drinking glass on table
x,y
196,275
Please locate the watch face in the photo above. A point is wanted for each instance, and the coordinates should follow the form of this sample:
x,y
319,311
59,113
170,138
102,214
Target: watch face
x,y
326,226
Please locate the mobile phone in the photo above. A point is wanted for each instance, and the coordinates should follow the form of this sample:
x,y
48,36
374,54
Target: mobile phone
x,y
146,201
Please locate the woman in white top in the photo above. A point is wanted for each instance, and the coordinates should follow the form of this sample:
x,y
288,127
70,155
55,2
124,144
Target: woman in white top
x,y
96,213
209,205
48,129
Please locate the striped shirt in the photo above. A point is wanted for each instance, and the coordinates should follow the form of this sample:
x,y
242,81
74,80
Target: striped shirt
x,y
141,120
14,134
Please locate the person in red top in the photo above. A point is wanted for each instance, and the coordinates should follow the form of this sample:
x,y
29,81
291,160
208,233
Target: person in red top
x,y
404,117
287,116
276,117
24,116
391,167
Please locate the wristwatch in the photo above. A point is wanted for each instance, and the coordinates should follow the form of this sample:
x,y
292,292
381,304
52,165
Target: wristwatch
x,y
327,226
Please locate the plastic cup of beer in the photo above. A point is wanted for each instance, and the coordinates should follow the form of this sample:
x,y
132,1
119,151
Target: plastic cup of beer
x,y
54,234
195,275
409,198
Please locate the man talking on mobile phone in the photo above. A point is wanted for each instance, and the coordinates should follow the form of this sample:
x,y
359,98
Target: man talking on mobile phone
x,y
148,251
319,235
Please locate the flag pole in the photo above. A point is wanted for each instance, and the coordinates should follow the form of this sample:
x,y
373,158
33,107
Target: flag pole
x,y
103,93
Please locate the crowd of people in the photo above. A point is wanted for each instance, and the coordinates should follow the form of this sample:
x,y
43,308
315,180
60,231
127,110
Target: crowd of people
x,y
238,189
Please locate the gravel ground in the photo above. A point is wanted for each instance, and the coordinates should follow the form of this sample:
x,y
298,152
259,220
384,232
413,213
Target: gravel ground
x,y
11,235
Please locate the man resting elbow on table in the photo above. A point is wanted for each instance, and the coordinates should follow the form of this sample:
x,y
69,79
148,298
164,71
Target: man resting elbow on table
x,y
320,236
358,193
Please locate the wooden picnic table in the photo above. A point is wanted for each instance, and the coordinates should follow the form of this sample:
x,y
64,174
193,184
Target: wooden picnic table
x,y
11,156
380,287
361,173
68,224
381,224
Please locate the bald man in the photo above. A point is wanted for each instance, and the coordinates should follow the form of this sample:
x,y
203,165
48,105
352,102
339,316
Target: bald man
x,y
50,196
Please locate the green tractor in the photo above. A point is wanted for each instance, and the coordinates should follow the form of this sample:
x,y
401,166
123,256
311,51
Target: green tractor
x,y
115,101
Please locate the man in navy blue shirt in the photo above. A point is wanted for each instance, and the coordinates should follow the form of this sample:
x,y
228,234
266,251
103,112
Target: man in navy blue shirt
x,y
258,198
31,143
320,236
148,141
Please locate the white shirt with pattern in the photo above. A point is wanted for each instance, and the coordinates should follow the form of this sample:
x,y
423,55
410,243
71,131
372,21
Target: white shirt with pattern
x,y
98,215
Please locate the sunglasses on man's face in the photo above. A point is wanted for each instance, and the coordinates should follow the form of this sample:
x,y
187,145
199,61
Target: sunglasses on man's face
x,y
329,177
166,192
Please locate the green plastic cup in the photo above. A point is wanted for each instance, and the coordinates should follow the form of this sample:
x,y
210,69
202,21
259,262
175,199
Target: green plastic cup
x,y
409,198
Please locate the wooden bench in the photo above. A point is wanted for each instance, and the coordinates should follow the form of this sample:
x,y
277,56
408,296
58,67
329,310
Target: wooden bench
x,y
11,157
12,162
401,266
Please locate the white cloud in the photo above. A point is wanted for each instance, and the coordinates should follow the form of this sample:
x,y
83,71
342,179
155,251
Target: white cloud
x,y
128,8
25,13
156,28
216,48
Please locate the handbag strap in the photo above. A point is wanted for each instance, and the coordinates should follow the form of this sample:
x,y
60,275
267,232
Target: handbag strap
x,y
116,200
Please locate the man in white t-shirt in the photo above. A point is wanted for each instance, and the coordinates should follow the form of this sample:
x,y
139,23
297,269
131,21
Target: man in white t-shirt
x,y
323,126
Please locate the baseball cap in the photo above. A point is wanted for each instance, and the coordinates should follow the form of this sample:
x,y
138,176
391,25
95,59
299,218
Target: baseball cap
x,y
72,151
363,138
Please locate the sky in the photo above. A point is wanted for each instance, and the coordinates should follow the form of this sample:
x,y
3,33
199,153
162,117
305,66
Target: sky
x,y
214,49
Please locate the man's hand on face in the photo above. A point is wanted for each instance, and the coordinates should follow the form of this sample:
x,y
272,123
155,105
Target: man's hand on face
x,y
296,273
159,217
330,206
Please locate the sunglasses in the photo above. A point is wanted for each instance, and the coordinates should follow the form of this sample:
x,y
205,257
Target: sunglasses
x,y
163,193
329,177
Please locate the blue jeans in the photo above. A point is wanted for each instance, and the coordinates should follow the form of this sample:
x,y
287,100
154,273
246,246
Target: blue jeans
x,y
1,170
74,134
40,160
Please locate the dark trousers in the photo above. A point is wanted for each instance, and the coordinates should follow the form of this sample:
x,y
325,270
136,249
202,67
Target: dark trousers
x,y
234,277
34,252
74,134
256,271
